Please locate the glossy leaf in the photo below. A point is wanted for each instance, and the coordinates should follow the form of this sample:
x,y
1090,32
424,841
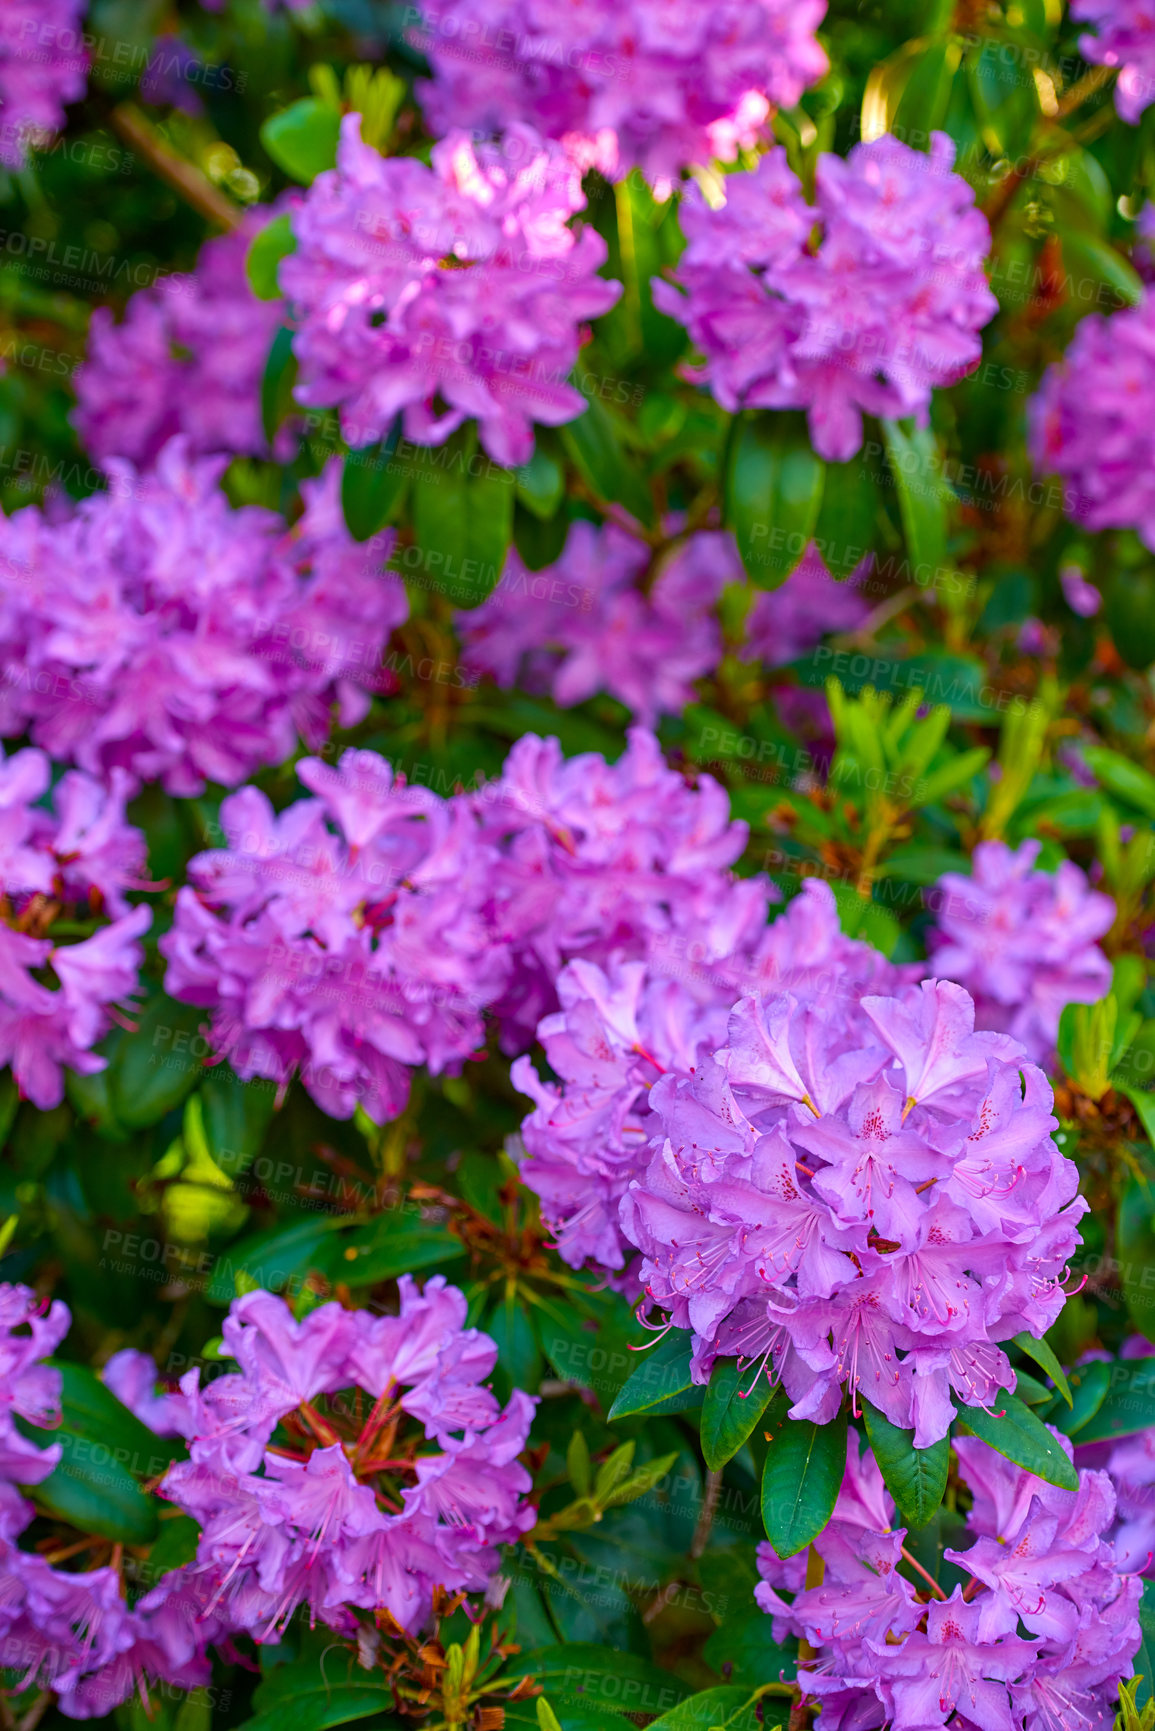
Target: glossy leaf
x,y
915,1478
1015,1432
302,139
802,1477
1043,1355
774,483
662,1375
373,484
735,1400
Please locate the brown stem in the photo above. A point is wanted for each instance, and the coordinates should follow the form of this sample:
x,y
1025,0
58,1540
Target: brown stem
x,y
36,1712
1085,88
184,177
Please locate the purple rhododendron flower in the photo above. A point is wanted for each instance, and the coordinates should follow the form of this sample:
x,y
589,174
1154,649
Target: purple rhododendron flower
x,y
863,1196
659,85
888,306
587,624
349,937
788,622
186,358
1089,427
621,1029
1039,1638
1123,36
1022,942
78,858
333,1522
43,66
158,631
445,294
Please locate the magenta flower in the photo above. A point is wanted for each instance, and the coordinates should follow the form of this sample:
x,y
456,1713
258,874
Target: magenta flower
x,y
1087,424
1039,1638
78,860
186,358
787,623
348,938
352,1514
445,294
887,307
1123,37
1022,942
158,632
43,66
810,1177
587,624
657,84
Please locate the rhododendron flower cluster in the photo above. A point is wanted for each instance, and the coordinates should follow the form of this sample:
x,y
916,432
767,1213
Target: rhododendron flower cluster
x,y
158,631
445,294
1022,942
1039,1638
71,1630
309,1473
866,1199
621,1028
887,306
77,859
1088,427
186,358
596,628
43,66
1123,37
644,84
371,928
347,938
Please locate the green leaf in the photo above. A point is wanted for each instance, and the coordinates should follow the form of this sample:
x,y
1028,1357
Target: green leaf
x,y
302,139
263,259
90,1409
915,1478
600,1678
1091,259
1135,1249
1143,1101
463,524
744,1643
577,1461
1144,1660
93,1491
391,1244
1016,1433
729,1707
540,485
1129,1403
926,95
805,1464
271,1259
846,530
924,499
662,1375
1044,1356
236,1116
773,493
730,1413
593,446
372,484
318,1708
1120,776
151,1073
277,381
1089,1386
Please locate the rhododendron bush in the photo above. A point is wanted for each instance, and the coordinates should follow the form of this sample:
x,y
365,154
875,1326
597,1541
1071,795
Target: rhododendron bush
x,y
577,865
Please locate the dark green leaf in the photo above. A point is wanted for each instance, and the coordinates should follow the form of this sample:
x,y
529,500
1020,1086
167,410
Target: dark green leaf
x,y
662,1375
774,482
923,497
325,1705
93,1492
540,485
1135,1248
391,1244
730,1412
92,1410
604,464
744,1649
1015,1432
1089,1386
151,1073
302,139
262,261
463,522
235,1116
372,485
846,526
1044,1356
805,1464
923,104
1144,1660
602,1679
277,381
1092,260
1128,1405
729,1707
272,1258
915,1478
